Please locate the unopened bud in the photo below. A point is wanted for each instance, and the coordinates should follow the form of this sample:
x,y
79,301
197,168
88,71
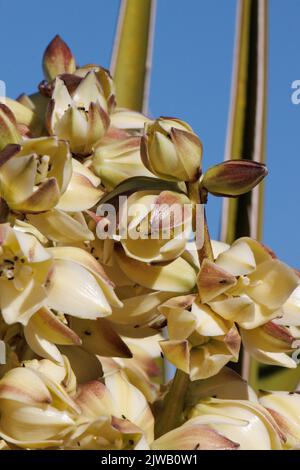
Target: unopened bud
x,y
58,59
171,150
233,177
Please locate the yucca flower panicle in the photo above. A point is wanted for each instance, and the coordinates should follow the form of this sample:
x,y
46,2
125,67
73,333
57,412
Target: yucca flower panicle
x,y
89,317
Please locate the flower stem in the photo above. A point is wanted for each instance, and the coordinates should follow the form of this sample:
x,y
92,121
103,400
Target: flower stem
x,y
198,195
171,414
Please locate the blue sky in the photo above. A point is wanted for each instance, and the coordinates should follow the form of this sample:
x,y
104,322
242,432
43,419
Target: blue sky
x,y
190,79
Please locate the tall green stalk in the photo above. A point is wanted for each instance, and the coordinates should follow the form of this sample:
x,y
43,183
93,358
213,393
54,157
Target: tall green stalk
x,y
132,53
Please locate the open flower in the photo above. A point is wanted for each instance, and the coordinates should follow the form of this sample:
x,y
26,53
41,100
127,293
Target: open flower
x,y
142,369
200,342
270,344
155,226
24,267
247,424
35,174
36,411
115,415
284,407
246,284
80,116
171,150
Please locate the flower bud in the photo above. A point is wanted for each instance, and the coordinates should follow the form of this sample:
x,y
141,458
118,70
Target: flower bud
x,y
57,59
171,150
233,177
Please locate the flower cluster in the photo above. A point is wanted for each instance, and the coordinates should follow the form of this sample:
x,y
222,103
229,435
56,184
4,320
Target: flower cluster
x,y
86,319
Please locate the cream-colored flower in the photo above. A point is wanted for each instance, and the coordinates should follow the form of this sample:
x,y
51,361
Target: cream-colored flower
x,y
284,407
155,226
115,415
261,287
270,344
66,222
24,267
45,331
35,174
199,342
247,424
36,411
142,368
171,150
194,435
80,116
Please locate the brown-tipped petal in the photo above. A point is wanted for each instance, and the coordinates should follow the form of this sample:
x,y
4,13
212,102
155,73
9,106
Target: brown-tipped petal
x,y
9,133
267,348
233,341
98,123
177,352
213,281
233,177
58,59
9,151
189,150
52,329
44,198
